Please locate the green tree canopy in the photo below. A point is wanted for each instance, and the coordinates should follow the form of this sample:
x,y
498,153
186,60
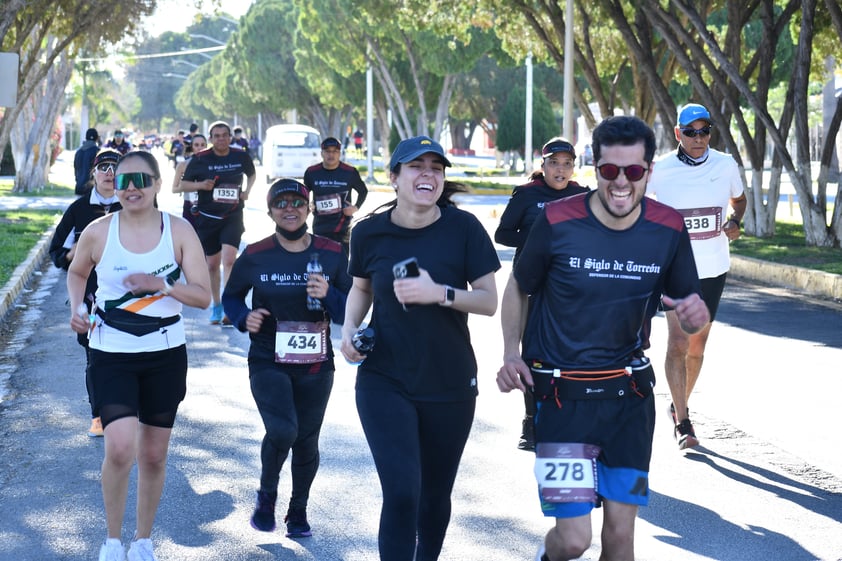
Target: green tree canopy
x,y
510,135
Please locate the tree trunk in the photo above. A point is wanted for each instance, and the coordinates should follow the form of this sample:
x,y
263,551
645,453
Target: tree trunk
x,y
32,135
444,103
761,222
383,119
394,100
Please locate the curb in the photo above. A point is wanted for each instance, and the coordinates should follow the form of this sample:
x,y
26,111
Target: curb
x,y
795,279
24,272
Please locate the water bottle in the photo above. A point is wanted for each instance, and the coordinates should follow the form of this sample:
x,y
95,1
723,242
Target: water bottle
x,y
314,267
363,340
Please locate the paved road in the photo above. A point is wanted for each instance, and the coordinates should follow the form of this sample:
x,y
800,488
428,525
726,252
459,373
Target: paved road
x,y
765,484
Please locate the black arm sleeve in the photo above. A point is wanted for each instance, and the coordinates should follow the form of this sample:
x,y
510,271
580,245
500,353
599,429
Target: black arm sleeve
x,y
362,190
509,232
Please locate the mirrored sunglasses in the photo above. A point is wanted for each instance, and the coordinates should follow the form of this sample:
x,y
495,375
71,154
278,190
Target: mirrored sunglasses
x,y
283,203
692,133
106,167
633,172
138,179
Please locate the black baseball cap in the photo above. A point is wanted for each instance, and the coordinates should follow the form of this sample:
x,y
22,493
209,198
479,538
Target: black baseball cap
x,y
556,145
105,156
331,142
286,185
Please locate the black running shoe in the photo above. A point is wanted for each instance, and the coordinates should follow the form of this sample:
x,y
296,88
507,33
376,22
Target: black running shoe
x,y
263,518
297,526
527,435
685,435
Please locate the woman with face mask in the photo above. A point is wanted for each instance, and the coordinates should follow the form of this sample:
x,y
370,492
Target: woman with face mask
x,y
290,356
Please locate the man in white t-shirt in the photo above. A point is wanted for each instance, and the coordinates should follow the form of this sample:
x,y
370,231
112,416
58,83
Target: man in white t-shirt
x,y
701,183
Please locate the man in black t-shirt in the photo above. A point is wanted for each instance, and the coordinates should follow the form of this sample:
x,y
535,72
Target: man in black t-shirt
x,y
331,183
217,176
594,267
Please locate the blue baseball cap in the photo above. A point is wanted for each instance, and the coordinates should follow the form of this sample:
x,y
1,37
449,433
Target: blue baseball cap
x,y
412,148
693,112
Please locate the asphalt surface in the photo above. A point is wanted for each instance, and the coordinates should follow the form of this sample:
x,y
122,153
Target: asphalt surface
x,y
766,482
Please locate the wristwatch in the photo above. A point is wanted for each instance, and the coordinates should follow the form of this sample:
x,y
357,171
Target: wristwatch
x,y
449,295
168,284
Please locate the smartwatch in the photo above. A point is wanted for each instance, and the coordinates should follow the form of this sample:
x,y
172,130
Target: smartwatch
x,y
449,295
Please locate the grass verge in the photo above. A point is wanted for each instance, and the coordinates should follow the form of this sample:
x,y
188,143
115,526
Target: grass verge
x,y
20,230
788,247
49,190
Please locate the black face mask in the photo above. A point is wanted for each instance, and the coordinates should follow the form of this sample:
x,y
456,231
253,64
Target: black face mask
x,y
685,157
294,235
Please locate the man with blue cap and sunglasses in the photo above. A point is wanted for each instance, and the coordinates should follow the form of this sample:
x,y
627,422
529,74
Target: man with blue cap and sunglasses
x,y
701,183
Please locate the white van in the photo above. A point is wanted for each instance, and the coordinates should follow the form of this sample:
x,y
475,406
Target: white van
x,y
289,150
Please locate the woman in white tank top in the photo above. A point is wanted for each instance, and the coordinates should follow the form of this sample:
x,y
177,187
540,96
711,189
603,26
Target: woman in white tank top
x,y
198,142
148,265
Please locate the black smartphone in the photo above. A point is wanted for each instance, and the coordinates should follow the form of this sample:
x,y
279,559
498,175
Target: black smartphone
x,y
406,269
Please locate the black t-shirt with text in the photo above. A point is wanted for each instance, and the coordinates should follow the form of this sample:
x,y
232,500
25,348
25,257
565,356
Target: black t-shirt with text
x,y
331,190
229,173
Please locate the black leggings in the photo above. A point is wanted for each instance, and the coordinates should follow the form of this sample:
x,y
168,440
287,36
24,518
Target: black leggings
x,y
417,446
292,406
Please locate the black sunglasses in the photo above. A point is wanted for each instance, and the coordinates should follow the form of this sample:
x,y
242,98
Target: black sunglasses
x,y
633,172
692,133
139,179
283,203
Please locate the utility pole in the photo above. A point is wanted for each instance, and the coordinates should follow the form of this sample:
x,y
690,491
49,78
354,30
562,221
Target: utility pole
x,y
369,122
567,120
527,156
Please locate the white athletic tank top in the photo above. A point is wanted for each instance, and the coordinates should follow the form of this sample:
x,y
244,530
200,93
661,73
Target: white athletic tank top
x,y
115,265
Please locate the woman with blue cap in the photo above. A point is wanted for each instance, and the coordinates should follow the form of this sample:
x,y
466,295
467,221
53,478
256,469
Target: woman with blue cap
x,y
423,265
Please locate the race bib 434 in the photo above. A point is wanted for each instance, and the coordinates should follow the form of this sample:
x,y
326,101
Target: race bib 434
x,y
301,342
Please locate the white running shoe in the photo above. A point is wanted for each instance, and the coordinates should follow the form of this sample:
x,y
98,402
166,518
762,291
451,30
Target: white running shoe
x,y
112,550
141,550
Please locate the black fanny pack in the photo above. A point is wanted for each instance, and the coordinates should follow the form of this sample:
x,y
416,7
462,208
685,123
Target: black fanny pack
x,y
636,379
135,324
